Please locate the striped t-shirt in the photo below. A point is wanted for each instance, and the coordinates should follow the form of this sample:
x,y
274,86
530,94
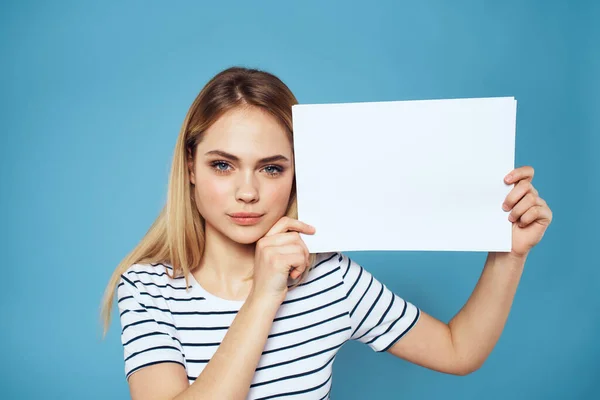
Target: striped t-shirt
x,y
339,300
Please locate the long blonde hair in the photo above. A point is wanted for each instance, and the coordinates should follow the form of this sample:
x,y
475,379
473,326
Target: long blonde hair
x,y
177,235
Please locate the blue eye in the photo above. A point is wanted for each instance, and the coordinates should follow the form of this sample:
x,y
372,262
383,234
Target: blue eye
x,y
273,170
220,166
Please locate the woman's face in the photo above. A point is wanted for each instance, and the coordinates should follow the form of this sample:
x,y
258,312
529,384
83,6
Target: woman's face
x,y
243,173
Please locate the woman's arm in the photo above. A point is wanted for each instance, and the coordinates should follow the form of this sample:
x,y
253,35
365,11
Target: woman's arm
x,y
281,253
461,346
229,372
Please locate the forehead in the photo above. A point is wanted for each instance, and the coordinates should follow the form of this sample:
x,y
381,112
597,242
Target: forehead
x,y
247,133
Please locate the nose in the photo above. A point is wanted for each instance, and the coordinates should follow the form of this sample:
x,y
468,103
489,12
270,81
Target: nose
x,y
247,188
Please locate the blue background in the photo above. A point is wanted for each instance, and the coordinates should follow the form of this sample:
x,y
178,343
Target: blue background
x,y
92,98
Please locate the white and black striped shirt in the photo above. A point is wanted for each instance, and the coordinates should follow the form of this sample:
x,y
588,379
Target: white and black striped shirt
x,y
163,322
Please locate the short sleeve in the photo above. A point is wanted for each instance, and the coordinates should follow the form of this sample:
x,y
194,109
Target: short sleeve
x,y
148,337
379,317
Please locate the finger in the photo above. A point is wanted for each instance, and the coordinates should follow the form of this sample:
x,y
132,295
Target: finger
x,y
280,239
520,173
295,248
285,259
530,200
306,251
289,224
516,194
287,238
295,272
298,246
302,246
535,214
294,262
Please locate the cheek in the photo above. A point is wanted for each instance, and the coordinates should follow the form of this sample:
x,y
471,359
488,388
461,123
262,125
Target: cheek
x,y
278,194
211,192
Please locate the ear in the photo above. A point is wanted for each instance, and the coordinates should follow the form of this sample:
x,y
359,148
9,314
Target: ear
x,y
190,164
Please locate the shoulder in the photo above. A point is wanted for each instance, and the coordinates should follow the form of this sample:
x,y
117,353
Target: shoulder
x,y
352,276
152,272
336,264
334,260
325,264
339,261
327,260
147,277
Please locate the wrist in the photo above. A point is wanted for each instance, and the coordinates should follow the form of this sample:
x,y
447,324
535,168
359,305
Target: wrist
x,y
265,302
512,260
517,258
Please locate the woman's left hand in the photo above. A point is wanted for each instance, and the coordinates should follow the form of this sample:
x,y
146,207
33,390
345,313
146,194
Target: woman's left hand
x,y
529,213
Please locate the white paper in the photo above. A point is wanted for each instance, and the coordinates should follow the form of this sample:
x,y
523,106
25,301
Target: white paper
x,y
405,175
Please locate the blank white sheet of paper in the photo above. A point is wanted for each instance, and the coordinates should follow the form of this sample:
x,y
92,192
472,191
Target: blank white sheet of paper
x,y
425,175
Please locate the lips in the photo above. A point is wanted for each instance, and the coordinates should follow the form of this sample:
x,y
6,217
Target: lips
x,y
245,215
245,219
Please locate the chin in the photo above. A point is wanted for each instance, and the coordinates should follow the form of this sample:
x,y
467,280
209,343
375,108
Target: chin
x,y
246,235
245,238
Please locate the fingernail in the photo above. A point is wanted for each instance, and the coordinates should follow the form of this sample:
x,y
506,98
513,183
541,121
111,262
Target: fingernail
x,y
505,207
508,178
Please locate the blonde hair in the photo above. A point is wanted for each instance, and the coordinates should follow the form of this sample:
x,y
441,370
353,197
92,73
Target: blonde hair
x,y
177,235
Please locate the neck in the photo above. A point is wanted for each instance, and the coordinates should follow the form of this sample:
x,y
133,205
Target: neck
x,y
224,265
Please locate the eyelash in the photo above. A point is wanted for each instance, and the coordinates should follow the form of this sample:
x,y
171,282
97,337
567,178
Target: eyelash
x,y
215,167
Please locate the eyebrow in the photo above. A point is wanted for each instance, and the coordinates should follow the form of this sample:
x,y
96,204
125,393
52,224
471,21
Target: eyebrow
x,y
231,157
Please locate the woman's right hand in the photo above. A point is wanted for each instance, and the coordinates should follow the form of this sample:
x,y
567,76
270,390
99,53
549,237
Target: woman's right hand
x,y
280,254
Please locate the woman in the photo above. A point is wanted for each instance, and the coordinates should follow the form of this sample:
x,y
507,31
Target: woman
x,y
222,300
